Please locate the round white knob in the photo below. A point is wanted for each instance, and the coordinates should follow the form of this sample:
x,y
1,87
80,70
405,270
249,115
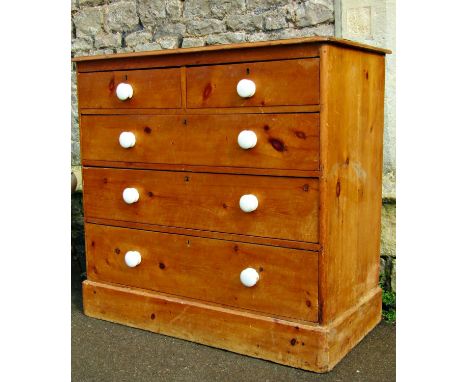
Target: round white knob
x,y
246,88
132,258
130,195
247,139
124,91
248,203
249,277
127,139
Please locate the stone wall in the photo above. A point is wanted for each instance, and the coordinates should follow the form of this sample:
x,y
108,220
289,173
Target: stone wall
x,y
113,26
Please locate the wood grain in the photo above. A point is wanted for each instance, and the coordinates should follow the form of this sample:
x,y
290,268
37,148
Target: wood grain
x,y
352,85
206,269
284,141
288,207
287,82
306,346
157,88
219,110
226,53
242,238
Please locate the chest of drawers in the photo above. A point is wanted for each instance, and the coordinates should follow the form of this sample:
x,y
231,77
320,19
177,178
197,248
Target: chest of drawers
x,y
232,194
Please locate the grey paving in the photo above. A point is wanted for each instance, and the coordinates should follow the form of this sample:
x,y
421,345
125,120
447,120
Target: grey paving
x,y
102,351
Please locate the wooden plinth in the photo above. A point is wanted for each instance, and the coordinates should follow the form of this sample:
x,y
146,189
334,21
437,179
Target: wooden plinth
x,y
299,344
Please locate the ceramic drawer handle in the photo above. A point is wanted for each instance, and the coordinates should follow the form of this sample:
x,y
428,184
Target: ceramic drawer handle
x,y
124,91
130,195
132,258
127,139
248,203
247,139
249,277
246,88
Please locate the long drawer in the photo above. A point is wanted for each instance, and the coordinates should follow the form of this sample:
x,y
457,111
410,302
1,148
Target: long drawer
x,y
287,207
152,88
284,141
286,82
207,269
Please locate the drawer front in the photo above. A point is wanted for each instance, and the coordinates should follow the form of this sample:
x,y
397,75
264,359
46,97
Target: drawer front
x,y
158,88
284,141
288,82
287,207
207,269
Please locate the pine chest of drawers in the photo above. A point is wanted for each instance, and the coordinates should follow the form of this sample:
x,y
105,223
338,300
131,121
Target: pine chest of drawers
x,y
232,194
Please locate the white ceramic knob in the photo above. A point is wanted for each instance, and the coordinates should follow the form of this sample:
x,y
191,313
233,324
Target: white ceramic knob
x,y
246,88
247,139
132,258
127,139
124,91
248,203
130,195
249,277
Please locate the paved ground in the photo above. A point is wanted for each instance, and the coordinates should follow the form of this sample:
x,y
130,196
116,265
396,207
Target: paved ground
x,y
102,351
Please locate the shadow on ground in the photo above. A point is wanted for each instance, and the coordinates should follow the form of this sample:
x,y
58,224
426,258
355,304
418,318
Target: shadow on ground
x,y
102,351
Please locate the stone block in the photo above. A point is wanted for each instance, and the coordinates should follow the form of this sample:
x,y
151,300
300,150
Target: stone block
x,y
196,8
138,38
88,21
82,44
393,276
174,8
168,42
226,38
314,12
205,27
248,23
107,40
151,10
223,8
276,19
122,16
191,42
388,230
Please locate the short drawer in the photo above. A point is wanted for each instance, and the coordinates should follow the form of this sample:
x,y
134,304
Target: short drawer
x,y
287,207
206,269
283,141
277,83
152,88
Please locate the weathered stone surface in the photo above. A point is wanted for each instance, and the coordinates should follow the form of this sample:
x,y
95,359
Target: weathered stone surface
x,y
150,10
170,29
222,8
205,27
276,19
261,5
90,3
88,21
196,8
314,12
74,5
388,235
393,276
260,36
168,42
82,43
137,38
122,16
174,8
191,42
148,46
226,38
249,23
107,40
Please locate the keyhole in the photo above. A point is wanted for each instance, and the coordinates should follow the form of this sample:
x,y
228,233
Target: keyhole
x,y
248,71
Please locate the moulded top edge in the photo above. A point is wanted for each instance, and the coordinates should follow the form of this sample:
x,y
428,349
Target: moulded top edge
x,y
294,41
